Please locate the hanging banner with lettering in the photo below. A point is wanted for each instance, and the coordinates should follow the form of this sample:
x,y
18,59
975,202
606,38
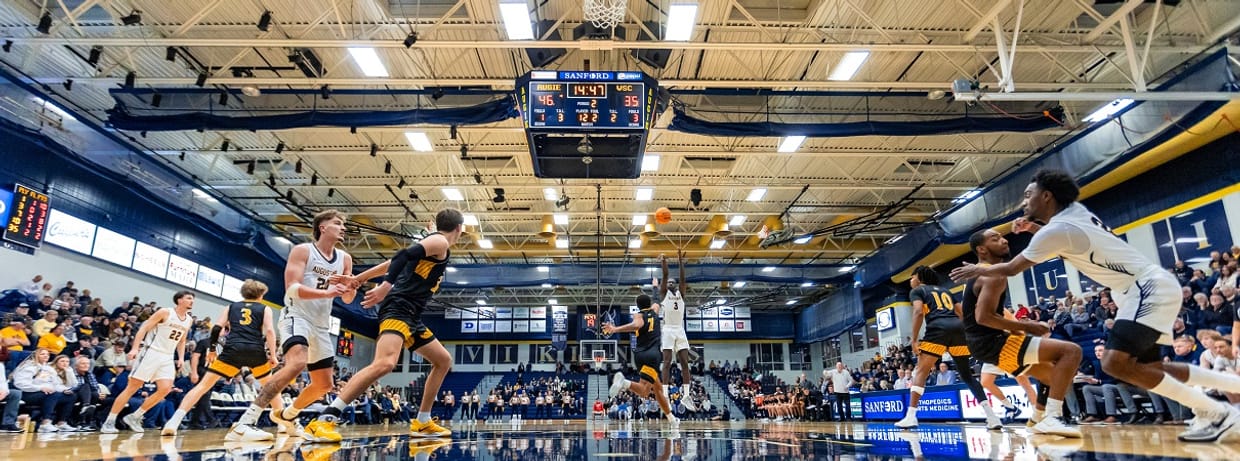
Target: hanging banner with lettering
x,y
559,327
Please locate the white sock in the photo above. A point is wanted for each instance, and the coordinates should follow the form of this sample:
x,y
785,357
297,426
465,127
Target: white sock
x,y
1007,403
140,412
1180,392
175,421
424,417
290,412
990,412
250,417
111,420
338,404
1054,408
1227,382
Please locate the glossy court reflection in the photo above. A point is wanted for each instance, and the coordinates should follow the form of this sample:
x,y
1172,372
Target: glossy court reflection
x,y
637,440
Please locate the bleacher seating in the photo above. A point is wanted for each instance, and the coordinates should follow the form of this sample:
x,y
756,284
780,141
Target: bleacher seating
x,y
722,381
459,383
511,378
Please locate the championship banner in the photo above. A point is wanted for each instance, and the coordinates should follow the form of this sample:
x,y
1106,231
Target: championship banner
x,y
559,327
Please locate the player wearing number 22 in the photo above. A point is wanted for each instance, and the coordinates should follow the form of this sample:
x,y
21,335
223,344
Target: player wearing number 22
x,y
159,339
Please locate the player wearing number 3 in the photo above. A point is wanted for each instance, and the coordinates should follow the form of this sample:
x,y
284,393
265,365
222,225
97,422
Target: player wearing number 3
x,y
251,344
159,339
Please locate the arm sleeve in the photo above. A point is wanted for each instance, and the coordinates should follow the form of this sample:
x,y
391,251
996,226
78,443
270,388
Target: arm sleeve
x,y
215,335
1053,239
402,258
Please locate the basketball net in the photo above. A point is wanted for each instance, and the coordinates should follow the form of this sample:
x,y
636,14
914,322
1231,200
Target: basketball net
x,y
604,13
598,363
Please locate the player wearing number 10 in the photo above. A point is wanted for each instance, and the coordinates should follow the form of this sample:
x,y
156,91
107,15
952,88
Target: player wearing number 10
x,y
159,338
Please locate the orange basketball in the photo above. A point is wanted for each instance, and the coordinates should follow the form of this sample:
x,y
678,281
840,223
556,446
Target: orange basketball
x,y
663,215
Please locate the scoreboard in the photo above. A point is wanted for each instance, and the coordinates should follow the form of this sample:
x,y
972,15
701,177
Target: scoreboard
x,y
27,218
585,100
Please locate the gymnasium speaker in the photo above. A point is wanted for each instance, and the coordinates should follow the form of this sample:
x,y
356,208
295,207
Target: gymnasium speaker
x,y
652,57
541,57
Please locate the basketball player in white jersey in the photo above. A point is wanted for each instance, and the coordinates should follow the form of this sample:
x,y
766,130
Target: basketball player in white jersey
x,y
160,338
306,342
1148,297
675,341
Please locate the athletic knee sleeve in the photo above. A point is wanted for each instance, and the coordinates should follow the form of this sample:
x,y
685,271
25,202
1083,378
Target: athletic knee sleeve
x,y
918,389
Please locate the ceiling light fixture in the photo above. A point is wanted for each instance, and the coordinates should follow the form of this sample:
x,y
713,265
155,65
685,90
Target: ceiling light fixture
x,y
156,99
768,269
387,167
680,20
374,149
471,220
224,146
96,52
737,220
499,196
201,81
717,244
130,79
280,147
1105,112
411,39
756,195
170,54
635,243
224,98
790,144
452,194
563,201
134,18
419,141
650,162
560,219
516,15
45,24
695,197
325,92
849,65
738,285
368,60
549,194
297,166
314,179
264,21
485,244
561,243
639,219
8,46
803,239
644,194
544,269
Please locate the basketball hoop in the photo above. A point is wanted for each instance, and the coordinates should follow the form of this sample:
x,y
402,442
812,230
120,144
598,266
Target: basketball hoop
x,y
598,363
604,13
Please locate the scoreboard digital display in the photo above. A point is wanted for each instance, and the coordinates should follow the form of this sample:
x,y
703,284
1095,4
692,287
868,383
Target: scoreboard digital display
x,y
27,220
585,100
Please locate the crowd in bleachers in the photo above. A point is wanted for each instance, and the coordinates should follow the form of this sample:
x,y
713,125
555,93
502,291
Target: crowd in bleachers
x,y
536,395
64,368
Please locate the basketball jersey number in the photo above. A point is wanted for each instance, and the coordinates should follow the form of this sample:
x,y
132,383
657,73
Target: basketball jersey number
x,y
321,284
1098,222
676,305
650,325
247,316
176,335
943,301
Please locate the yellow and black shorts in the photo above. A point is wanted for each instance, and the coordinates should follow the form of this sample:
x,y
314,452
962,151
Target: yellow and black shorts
x,y
649,361
944,336
1012,353
397,316
230,363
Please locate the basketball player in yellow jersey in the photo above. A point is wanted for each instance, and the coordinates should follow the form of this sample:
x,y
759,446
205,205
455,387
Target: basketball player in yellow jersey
x,y
251,344
647,326
413,277
307,344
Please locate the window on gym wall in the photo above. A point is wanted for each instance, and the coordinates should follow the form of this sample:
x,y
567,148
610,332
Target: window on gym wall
x,y
768,356
830,353
856,340
800,357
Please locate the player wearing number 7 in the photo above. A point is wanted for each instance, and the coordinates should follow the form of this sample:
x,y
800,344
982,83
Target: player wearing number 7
x,y
159,339
251,344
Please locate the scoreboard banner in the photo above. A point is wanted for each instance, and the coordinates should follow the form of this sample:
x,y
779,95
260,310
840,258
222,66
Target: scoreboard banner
x,y
27,221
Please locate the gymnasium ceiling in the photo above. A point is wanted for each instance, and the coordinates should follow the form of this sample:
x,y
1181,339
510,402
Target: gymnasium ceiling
x,y
918,47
